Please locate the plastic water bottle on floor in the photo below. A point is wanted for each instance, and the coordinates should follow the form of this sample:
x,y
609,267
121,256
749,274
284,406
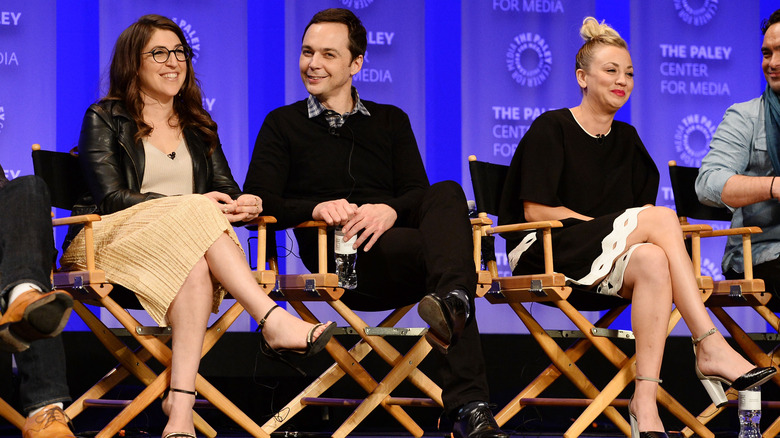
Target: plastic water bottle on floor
x,y
750,413
346,256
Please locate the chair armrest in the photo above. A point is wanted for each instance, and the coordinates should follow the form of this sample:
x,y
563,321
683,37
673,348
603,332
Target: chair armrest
x,y
693,228
545,226
481,221
72,220
312,224
540,225
261,220
732,232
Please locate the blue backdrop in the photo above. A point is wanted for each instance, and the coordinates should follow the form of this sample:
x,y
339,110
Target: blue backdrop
x,y
471,74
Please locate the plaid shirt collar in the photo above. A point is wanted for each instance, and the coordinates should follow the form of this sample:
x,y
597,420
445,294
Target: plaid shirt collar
x,y
335,119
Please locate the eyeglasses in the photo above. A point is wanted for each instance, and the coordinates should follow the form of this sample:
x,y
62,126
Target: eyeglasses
x,y
161,54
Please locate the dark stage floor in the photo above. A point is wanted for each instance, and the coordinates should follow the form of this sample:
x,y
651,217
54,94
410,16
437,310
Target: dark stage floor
x,y
260,388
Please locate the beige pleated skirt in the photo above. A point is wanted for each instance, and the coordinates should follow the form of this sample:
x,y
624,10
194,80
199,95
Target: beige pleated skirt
x,y
150,248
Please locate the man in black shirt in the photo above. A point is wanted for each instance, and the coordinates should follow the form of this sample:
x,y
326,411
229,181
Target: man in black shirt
x,y
355,164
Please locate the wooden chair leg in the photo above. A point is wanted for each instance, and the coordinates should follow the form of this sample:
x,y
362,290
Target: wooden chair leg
x,y
397,375
333,374
226,406
773,430
10,414
348,362
551,373
388,353
324,382
559,358
602,402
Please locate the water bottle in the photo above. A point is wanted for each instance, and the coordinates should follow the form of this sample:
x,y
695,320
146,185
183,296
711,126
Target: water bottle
x,y
346,256
750,413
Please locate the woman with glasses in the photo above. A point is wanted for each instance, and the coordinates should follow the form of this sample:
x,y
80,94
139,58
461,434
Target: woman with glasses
x,y
156,171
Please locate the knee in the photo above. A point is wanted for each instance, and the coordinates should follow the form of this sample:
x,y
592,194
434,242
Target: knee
x,y
446,190
651,264
31,184
662,218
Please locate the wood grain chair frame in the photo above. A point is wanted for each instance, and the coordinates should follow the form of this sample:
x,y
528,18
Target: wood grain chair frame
x,y
61,173
551,288
744,292
300,289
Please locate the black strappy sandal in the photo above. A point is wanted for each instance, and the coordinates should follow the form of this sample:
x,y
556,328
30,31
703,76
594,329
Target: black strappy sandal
x,y
312,346
179,434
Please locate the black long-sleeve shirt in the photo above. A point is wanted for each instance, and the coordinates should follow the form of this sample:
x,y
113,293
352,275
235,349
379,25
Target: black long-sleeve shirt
x,y
299,162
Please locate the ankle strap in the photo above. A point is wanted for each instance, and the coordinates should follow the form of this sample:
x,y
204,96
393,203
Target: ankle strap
x,y
700,338
649,379
184,391
261,324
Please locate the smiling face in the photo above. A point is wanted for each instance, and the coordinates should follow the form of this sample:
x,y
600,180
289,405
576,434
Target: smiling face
x,y
162,81
609,79
770,50
326,63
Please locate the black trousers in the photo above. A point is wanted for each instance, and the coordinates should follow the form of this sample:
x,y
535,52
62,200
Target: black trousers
x,y
26,256
770,273
430,253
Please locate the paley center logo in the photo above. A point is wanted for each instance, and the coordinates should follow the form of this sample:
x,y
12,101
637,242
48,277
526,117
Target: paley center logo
x,y
529,59
692,138
357,4
2,118
191,35
712,269
697,15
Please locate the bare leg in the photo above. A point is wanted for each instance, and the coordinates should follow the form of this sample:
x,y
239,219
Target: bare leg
x,y
660,226
229,266
648,284
188,315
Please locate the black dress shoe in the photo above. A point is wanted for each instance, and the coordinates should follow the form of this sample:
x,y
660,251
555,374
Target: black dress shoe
x,y
755,377
446,315
475,420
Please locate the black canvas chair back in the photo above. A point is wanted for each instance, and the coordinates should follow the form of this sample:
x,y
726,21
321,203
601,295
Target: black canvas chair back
x,y
685,199
62,174
487,180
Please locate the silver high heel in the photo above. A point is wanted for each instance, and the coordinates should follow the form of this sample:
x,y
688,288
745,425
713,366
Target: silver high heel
x,y
712,384
635,433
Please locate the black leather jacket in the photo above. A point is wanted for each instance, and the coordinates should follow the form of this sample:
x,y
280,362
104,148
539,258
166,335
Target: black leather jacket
x,y
113,164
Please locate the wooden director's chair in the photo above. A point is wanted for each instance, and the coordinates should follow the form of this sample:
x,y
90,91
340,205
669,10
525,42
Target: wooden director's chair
x,y
745,292
298,291
61,173
550,288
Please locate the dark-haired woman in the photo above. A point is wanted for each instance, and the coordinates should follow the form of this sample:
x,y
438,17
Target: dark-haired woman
x,y
156,171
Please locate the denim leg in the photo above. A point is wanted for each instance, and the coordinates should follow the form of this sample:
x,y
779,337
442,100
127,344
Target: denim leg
x,y
42,374
26,239
26,256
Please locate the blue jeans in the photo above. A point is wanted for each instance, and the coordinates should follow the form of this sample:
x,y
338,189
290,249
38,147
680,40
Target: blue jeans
x,y
26,255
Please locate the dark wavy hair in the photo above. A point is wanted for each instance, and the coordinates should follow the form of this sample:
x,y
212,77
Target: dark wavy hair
x,y
124,85
774,18
357,32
